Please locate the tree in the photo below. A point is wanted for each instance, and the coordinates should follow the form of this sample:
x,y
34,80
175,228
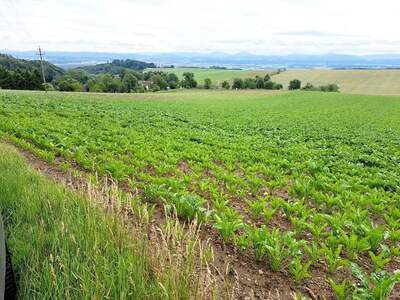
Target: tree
x,y
207,83
237,84
94,85
267,77
111,84
79,75
259,83
173,81
129,82
67,84
188,81
295,84
226,85
268,85
160,82
155,88
250,83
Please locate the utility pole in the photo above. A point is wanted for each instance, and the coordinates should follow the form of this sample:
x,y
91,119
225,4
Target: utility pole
x,y
41,54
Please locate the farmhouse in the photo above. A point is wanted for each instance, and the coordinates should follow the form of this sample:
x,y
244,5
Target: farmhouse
x,y
145,83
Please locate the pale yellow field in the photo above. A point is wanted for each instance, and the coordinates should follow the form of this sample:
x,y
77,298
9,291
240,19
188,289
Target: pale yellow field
x,y
372,82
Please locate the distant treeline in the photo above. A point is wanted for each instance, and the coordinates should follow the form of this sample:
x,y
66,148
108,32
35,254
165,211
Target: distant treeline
x,y
12,64
124,76
117,66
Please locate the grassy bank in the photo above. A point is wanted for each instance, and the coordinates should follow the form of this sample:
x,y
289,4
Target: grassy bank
x,y
65,247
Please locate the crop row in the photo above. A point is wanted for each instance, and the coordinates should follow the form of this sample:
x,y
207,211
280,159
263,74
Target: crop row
x,y
305,182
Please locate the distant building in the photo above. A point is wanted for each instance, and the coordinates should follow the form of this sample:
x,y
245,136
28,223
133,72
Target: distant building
x,y
145,83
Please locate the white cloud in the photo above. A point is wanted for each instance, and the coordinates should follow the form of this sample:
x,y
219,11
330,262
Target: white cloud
x,y
257,26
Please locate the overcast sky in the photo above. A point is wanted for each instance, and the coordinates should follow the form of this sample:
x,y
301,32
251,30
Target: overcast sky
x,y
255,26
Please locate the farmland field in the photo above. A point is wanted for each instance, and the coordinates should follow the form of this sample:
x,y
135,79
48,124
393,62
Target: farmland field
x,y
305,183
373,82
214,74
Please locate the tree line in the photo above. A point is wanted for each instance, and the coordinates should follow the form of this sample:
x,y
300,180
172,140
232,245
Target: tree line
x,y
20,79
124,76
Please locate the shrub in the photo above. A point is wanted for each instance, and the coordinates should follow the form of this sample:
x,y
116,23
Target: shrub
x,y
226,85
308,87
295,84
140,89
259,83
207,83
329,88
250,83
268,85
238,84
69,85
155,88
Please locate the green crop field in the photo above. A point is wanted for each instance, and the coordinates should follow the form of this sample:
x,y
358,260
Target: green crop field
x,y
372,82
216,75
307,184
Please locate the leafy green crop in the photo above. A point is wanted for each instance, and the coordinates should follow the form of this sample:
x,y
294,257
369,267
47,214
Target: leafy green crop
x,y
310,177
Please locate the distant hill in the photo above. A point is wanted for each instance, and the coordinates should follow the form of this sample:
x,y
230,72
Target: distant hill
x,y
117,66
69,60
11,63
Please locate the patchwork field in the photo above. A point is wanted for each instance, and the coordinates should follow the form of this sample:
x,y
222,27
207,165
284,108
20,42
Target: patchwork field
x,y
217,75
304,185
372,82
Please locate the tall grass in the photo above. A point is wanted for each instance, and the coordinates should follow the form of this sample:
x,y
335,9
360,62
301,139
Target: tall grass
x,y
66,247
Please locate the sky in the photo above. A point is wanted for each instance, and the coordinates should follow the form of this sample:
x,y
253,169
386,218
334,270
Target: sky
x,y
266,27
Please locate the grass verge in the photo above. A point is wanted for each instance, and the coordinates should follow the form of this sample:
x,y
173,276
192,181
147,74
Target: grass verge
x,y
66,247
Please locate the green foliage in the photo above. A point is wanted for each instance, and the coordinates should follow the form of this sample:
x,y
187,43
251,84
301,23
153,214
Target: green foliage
x,y
276,246
322,165
188,81
238,84
69,85
333,258
53,232
117,67
23,66
342,289
299,270
379,260
207,83
295,84
20,79
173,81
130,82
226,85
228,222
378,286
160,82
354,244
250,83
323,88
188,206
